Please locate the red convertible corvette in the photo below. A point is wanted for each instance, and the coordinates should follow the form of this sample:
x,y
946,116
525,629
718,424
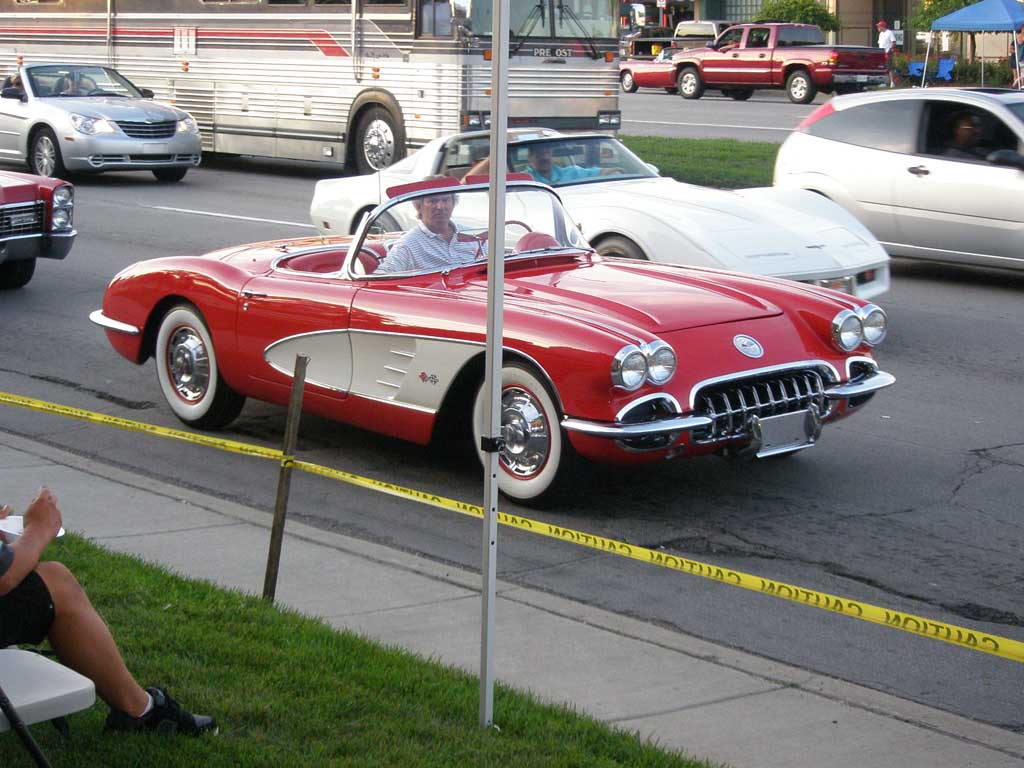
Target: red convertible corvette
x,y
613,360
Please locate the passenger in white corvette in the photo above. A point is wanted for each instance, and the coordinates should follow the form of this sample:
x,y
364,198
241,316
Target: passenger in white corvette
x,y
436,242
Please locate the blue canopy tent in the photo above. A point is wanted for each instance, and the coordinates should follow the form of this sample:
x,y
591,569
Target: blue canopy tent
x,y
986,16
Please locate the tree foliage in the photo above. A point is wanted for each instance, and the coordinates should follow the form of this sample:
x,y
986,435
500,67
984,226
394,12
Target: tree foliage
x,y
925,13
801,12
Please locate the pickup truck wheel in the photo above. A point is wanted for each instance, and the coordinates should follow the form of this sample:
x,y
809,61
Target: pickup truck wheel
x,y
690,84
739,94
16,274
628,83
800,88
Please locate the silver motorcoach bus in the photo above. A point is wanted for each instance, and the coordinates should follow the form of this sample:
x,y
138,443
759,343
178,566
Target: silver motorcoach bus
x,y
354,82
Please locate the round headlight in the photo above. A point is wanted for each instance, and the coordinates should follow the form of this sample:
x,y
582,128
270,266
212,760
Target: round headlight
x,y
847,330
661,362
63,196
629,368
61,218
875,323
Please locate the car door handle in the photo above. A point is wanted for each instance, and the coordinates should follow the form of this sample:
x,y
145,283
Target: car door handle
x,y
760,55
735,55
254,295
918,170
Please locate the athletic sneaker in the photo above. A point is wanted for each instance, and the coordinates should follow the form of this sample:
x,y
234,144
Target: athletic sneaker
x,y
166,715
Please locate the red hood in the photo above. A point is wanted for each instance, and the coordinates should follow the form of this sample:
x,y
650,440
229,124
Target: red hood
x,y
656,298
18,188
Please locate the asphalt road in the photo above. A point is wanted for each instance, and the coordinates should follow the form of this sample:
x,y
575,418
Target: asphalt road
x,y
913,505
767,116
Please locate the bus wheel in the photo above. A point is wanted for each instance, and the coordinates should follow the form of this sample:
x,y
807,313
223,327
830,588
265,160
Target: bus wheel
x,y
375,143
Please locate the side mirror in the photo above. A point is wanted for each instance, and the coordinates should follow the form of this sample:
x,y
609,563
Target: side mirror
x,y
146,93
13,93
654,168
1006,157
713,45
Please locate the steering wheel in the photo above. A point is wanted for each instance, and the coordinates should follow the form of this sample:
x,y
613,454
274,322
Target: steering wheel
x,y
368,260
518,223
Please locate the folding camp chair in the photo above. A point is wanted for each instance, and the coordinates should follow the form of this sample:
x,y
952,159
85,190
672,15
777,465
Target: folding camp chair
x,y
915,70
944,71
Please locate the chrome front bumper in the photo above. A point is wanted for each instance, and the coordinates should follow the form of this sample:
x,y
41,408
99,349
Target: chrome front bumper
x,y
865,385
54,245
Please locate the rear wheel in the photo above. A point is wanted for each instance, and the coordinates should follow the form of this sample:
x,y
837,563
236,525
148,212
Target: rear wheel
x,y
689,83
628,83
536,458
170,174
44,158
186,367
800,88
620,247
16,274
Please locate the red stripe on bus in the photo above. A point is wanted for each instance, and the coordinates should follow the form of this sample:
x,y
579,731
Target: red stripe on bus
x,y
323,40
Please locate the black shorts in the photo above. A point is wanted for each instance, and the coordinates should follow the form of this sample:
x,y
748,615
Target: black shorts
x,y
26,612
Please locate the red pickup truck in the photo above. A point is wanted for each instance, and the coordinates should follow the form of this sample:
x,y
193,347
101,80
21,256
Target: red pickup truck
x,y
747,57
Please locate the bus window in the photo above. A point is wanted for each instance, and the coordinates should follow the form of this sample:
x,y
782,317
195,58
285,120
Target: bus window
x,y
597,18
435,18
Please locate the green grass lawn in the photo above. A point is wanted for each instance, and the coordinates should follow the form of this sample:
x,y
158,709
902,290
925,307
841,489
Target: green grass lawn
x,y
291,691
723,163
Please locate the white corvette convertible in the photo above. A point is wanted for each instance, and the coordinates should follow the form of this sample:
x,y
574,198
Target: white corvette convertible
x,y
624,208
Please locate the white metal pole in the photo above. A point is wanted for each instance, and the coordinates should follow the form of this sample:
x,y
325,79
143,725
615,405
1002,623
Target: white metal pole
x,y
927,53
493,358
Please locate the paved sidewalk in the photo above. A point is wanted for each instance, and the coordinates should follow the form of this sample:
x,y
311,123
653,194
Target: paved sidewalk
x,y
707,700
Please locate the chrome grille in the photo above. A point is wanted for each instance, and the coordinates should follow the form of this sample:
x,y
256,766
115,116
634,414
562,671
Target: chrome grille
x,y
137,130
22,219
730,405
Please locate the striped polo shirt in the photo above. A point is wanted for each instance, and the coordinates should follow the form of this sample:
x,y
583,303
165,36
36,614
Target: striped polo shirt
x,y
420,249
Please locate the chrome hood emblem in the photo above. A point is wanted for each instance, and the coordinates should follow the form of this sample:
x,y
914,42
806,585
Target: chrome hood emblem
x,y
748,346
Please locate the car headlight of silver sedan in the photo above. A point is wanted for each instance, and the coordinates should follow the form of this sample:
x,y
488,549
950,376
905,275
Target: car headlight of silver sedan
x,y
633,365
874,322
92,126
187,125
63,208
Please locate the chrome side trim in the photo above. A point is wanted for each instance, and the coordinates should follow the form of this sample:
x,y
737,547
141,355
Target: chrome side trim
x,y
103,321
834,374
626,431
876,381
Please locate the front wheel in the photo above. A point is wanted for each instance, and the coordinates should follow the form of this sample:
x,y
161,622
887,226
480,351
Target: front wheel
x,y
689,83
621,248
16,274
44,158
628,83
170,174
186,367
536,458
377,141
800,88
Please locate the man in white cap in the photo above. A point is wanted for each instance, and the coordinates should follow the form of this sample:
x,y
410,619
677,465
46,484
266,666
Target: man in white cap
x,y
887,41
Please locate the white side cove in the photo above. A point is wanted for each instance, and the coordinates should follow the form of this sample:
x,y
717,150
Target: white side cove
x,y
409,371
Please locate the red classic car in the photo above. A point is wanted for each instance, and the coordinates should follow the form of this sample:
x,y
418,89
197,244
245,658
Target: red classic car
x,y
36,222
614,360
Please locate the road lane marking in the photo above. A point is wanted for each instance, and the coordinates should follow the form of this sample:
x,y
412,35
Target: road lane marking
x,y
972,639
709,125
228,216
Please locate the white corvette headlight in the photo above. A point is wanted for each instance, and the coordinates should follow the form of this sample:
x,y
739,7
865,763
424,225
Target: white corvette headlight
x,y
92,125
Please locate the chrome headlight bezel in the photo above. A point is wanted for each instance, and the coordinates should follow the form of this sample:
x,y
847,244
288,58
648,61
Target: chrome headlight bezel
x,y
875,324
626,374
188,124
64,196
847,330
92,126
660,357
61,219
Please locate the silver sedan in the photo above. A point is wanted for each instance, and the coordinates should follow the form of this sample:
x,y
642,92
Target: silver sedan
x,y
70,118
934,173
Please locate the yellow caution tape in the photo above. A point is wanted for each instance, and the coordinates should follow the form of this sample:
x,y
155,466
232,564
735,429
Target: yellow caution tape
x,y
972,639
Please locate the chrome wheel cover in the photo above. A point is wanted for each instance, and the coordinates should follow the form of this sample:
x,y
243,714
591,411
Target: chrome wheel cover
x,y
188,364
689,83
379,144
627,81
44,156
526,433
798,88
